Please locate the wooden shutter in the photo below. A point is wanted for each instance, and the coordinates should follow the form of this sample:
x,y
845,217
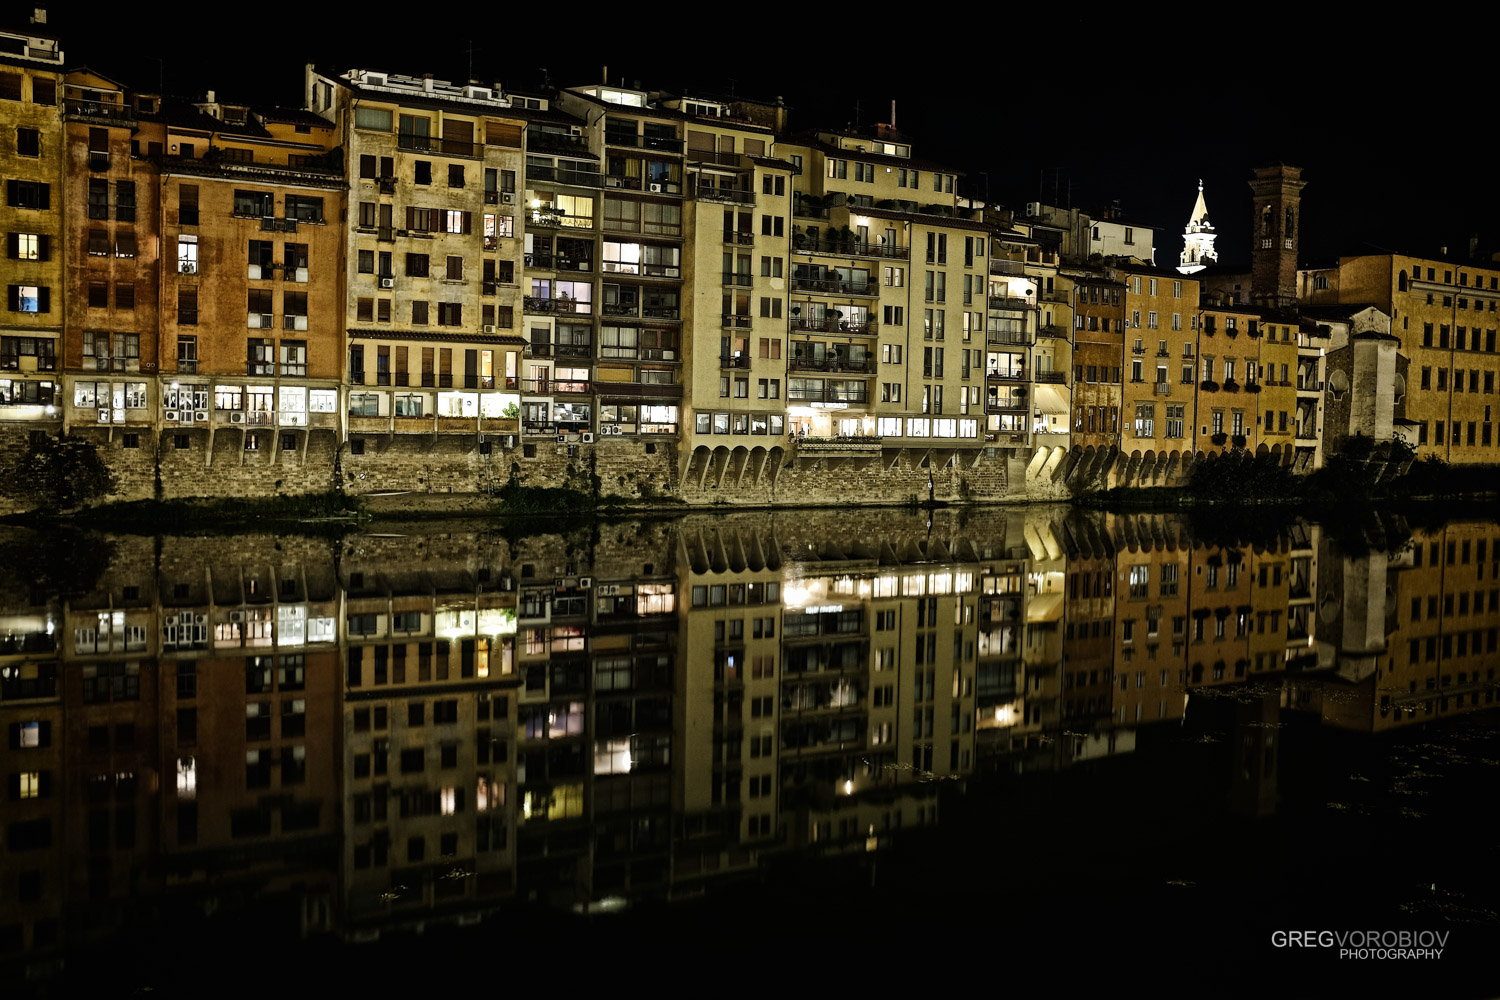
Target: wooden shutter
x,y
502,134
44,247
468,222
701,141
44,299
411,218
13,245
755,147
44,199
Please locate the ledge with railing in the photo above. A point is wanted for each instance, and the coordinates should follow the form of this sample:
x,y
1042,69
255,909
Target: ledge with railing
x,y
632,140
558,262
732,196
835,286
830,364
1009,302
563,175
445,147
850,248
734,361
743,239
1008,339
829,394
545,306
831,324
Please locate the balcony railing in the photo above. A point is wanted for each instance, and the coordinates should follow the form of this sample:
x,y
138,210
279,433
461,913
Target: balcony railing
x,y
660,390
851,248
559,262
743,239
1009,302
831,325
446,147
1014,375
556,142
829,394
744,280
835,286
563,175
537,218
630,140
732,196
1008,338
545,386
98,109
546,306
733,322
827,364
1053,332
1163,389
1005,406
735,361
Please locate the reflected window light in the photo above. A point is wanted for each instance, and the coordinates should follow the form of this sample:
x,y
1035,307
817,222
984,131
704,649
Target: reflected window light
x,y
187,778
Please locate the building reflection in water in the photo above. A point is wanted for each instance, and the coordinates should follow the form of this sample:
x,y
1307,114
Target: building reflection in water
x,y
389,729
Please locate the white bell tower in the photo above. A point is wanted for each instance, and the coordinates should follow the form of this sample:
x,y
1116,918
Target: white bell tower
x,y
1198,239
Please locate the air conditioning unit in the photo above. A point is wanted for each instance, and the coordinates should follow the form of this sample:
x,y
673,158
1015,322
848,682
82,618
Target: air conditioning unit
x,y
655,188
387,282
172,416
585,583
200,619
171,621
104,416
200,417
509,441
507,198
588,437
235,417
236,616
1033,208
489,328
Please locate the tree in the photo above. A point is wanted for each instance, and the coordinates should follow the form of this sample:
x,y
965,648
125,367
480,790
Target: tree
x,y
56,474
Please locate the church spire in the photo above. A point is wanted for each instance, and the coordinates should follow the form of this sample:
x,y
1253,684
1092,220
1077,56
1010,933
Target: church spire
x,y
1198,238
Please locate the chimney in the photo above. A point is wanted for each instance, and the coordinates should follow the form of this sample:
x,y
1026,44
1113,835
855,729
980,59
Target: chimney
x,y
893,116
39,15
427,82
1442,251
210,98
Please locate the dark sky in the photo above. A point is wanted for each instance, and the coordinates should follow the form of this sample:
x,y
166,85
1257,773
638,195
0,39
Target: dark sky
x,y
1392,127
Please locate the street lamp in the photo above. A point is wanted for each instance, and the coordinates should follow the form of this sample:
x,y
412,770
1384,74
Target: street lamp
x,y
931,487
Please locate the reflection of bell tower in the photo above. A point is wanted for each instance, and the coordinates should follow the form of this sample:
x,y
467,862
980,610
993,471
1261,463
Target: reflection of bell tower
x,y
1198,239
1277,224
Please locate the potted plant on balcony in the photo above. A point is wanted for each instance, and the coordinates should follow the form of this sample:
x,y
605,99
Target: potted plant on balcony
x,y
1219,438
1252,387
1230,385
1238,440
1209,385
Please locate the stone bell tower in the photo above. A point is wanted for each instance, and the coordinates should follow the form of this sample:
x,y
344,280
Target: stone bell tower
x,y
1276,235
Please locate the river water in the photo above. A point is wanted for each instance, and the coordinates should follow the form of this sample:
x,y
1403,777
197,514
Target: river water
x,y
1040,742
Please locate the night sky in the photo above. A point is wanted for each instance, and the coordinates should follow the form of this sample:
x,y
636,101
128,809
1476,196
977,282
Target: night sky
x,y
1393,122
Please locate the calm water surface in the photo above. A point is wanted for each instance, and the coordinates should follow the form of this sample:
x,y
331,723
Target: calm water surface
x,y
1054,746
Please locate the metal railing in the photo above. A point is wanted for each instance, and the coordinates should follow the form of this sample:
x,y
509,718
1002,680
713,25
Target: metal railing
x,y
835,286
851,248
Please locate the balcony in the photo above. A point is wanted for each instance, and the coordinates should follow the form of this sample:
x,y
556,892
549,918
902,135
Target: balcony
x,y
564,175
630,140
1008,339
732,322
839,447
549,307
1008,406
1009,302
545,386
672,313
716,158
851,248
832,325
445,147
100,111
728,196
541,219
1053,332
1163,389
572,350
742,280
743,239
556,142
835,286
652,390
830,394
830,364
558,262
1009,268
735,361
1013,375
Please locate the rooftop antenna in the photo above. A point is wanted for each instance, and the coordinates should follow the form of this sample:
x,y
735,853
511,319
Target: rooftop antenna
x,y
893,115
856,112
470,75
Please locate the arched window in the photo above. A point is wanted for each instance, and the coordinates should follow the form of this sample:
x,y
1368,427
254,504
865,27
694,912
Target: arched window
x,y
1265,221
1290,227
1401,281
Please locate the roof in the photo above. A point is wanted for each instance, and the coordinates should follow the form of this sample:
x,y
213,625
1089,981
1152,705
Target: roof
x,y
941,221
811,140
743,124
291,116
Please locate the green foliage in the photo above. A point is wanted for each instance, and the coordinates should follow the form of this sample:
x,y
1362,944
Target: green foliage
x,y
57,474
511,411
1260,477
